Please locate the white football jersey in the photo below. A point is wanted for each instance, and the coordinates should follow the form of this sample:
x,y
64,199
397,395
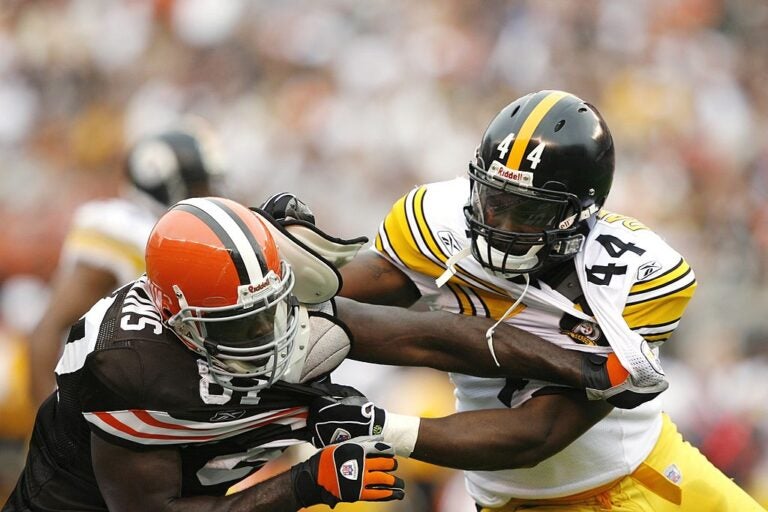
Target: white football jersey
x,y
111,234
639,285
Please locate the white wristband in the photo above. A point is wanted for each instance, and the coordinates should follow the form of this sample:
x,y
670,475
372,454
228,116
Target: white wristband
x,y
401,432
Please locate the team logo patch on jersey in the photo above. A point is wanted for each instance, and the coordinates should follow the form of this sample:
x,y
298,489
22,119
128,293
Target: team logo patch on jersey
x,y
449,242
646,270
583,331
673,474
349,470
227,415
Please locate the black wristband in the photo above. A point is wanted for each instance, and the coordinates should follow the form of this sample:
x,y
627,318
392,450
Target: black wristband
x,y
593,372
305,488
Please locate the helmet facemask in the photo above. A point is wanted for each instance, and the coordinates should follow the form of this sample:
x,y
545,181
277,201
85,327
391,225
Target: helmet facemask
x,y
517,229
252,339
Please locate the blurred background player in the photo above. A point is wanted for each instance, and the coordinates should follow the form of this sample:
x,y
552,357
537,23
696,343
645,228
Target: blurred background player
x,y
105,244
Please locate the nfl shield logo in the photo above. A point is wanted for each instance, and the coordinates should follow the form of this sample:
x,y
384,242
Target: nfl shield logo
x,y
349,469
673,474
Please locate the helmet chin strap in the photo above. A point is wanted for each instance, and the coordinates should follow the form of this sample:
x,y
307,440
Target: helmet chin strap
x,y
489,332
450,271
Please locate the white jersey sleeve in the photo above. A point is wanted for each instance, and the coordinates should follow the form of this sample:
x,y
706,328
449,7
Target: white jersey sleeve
x,y
111,235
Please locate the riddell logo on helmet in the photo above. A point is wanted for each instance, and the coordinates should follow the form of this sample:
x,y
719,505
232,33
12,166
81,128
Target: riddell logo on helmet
x,y
499,170
255,288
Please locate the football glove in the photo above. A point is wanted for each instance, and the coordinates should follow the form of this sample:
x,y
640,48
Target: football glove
x,y
337,419
606,379
351,471
286,206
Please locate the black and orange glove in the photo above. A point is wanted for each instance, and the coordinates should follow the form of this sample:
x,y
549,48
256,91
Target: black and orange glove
x,y
606,379
348,472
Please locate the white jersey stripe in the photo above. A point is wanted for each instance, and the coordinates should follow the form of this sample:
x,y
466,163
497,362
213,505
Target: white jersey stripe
x,y
658,329
133,426
672,287
75,352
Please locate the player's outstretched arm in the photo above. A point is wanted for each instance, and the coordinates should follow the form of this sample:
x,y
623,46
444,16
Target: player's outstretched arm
x,y
458,343
151,480
449,342
371,278
483,440
494,439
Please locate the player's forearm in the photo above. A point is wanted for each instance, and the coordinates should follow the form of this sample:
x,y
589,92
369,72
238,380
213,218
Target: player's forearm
x,y
272,495
496,439
455,343
475,441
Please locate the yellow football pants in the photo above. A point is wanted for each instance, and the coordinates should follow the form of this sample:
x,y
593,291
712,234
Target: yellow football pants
x,y
675,477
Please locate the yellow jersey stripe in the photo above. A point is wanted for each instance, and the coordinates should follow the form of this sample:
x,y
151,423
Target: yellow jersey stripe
x,y
659,310
497,306
657,337
529,126
678,271
465,302
401,236
421,222
86,239
431,242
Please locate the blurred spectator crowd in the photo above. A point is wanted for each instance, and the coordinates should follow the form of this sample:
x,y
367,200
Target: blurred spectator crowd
x,y
350,103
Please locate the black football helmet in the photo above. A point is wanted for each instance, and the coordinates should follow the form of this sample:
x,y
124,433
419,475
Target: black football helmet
x,y
541,173
174,165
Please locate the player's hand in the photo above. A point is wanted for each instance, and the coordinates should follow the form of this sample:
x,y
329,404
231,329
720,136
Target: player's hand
x,y
606,379
286,206
351,471
336,419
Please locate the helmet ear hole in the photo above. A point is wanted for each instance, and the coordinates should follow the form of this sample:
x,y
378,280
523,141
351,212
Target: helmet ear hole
x,y
557,186
559,125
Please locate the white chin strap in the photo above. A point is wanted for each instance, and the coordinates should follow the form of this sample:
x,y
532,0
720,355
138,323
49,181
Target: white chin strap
x,y
489,332
450,265
512,263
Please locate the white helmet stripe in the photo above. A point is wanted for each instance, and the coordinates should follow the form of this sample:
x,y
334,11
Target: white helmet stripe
x,y
246,252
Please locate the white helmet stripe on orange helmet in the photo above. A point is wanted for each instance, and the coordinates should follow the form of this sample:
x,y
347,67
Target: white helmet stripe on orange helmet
x,y
245,250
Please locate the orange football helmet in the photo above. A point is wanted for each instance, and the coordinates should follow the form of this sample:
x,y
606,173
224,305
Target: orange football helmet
x,y
215,275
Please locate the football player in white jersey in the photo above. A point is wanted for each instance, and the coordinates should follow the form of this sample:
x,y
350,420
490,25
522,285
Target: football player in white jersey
x,y
525,241
104,247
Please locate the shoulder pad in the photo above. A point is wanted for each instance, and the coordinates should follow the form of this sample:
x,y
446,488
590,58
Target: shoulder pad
x,y
314,256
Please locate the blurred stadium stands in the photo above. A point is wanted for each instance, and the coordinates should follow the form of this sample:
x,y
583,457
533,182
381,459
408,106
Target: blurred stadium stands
x,y
349,104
